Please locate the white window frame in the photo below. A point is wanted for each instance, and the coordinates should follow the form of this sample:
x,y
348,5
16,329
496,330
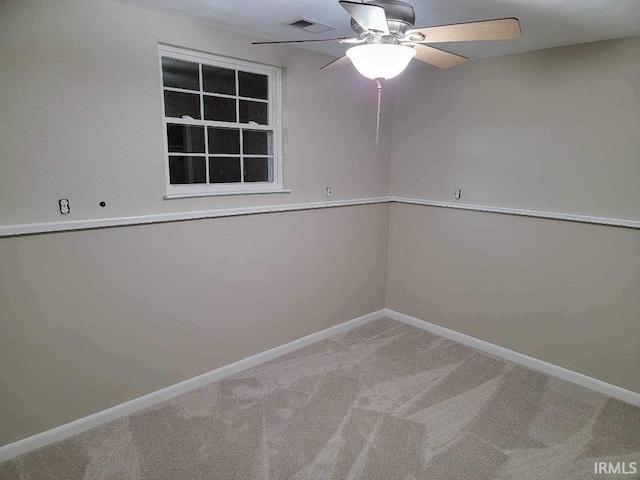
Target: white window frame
x,y
274,124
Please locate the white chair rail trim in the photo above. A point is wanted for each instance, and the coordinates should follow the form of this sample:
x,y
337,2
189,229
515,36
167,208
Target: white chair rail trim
x,y
86,224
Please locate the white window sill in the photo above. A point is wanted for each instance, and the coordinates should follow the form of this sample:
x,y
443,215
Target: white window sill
x,y
171,196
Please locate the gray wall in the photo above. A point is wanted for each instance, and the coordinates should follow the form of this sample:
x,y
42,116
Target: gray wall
x,y
82,116
554,130
91,319
563,292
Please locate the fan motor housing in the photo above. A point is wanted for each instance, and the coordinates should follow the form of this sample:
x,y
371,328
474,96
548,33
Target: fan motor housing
x,y
400,17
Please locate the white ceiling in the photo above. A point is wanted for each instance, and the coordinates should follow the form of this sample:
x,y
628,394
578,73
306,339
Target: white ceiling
x,y
545,23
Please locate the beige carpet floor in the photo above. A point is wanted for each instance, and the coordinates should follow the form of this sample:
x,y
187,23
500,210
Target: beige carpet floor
x,y
382,401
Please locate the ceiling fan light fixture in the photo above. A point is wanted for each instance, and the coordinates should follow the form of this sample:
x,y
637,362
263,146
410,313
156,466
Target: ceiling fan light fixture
x,y
378,60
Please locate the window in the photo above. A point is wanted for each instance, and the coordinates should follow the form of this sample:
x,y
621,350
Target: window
x,y
221,122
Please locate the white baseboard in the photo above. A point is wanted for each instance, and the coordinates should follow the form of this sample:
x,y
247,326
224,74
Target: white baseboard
x,y
569,375
83,424
124,409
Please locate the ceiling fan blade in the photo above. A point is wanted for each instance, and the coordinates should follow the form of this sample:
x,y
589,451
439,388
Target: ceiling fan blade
x,y
337,63
439,58
353,40
501,29
341,39
370,17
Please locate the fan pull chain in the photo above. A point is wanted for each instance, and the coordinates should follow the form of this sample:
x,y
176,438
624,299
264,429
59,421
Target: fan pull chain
x,y
379,82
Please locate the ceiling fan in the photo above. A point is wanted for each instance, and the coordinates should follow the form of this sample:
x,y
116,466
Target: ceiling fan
x,y
387,39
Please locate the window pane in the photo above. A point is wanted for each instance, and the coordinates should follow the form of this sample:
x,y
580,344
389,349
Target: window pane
x,y
254,112
224,140
179,105
218,80
185,138
254,142
187,170
180,74
257,170
253,85
220,109
224,169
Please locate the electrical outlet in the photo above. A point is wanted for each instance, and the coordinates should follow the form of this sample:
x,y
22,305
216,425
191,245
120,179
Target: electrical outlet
x,y
457,194
65,207
328,191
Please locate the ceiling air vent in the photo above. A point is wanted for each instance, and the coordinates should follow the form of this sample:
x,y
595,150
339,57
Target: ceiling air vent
x,y
307,25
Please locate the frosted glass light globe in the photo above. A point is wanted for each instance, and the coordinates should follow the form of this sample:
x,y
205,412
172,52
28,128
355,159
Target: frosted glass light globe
x,y
377,60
